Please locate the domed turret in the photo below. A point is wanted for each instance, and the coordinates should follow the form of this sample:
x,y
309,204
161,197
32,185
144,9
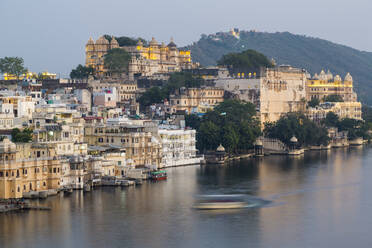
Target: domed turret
x,y
316,76
348,78
322,75
153,42
337,78
220,148
114,43
329,75
102,41
90,41
293,139
172,44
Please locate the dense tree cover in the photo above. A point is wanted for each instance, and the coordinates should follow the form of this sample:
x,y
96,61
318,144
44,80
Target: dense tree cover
x,y
355,128
296,124
249,60
117,60
126,41
313,102
21,136
13,66
333,98
176,81
81,72
232,123
297,50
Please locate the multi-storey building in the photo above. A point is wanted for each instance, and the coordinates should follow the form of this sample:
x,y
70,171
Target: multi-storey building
x,y
324,84
141,147
196,100
351,110
146,60
26,167
178,146
125,90
275,91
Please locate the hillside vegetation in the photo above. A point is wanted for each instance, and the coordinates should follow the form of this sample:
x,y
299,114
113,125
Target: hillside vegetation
x,y
312,54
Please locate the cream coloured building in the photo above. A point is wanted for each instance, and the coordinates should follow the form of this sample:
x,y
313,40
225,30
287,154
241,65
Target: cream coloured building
x,y
196,100
351,110
26,167
146,60
325,84
125,90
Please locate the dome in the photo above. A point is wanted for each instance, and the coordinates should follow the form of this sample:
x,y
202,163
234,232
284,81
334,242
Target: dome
x,y
153,42
220,148
316,76
329,75
348,78
171,43
337,78
90,41
322,75
6,146
163,45
293,139
114,41
102,41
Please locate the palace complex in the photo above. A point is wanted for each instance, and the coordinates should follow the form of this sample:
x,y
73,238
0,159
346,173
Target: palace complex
x,y
147,60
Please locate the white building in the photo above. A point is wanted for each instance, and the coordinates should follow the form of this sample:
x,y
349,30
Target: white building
x,y
178,146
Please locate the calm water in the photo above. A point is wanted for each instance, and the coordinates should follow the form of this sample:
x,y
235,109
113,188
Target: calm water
x,y
323,199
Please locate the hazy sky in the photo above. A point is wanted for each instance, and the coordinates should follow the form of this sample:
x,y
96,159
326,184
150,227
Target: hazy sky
x,y
51,34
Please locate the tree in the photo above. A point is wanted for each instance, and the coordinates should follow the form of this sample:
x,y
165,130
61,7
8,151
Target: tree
x,y
208,136
249,60
151,96
21,136
331,120
13,66
313,102
117,60
81,72
333,98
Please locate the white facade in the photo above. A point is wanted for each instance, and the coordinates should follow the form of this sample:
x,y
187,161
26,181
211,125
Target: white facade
x,y
178,147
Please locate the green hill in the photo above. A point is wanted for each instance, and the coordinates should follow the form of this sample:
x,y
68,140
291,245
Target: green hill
x,y
313,54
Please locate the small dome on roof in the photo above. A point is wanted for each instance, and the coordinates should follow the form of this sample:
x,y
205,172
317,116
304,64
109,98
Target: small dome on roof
x,y
102,41
153,42
171,43
293,139
337,78
348,78
220,148
316,76
114,41
90,41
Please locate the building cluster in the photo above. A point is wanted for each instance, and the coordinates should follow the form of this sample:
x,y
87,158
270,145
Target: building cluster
x,y
85,130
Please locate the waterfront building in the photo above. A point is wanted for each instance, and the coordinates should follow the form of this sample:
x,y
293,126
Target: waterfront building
x,y
325,84
351,110
178,146
196,100
26,167
147,60
142,148
275,91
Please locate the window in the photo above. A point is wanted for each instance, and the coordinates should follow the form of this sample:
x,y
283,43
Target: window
x,y
38,154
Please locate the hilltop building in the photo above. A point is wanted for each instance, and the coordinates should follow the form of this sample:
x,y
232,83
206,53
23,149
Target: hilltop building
x,y
275,91
325,84
146,60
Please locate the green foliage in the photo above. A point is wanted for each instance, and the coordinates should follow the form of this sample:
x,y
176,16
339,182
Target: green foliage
x,y
21,136
117,60
333,98
81,72
297,50
296,124
331,120
248,60
13,66
313,102
367,113
125,41
176,81
232,123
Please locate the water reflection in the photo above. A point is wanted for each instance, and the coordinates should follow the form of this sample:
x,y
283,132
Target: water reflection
x,y
316,199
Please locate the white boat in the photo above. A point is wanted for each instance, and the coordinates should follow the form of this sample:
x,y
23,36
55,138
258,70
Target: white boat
x,y
209,202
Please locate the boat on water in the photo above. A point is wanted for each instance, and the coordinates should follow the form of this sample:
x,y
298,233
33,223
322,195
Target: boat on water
x,y
209,202
158,175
